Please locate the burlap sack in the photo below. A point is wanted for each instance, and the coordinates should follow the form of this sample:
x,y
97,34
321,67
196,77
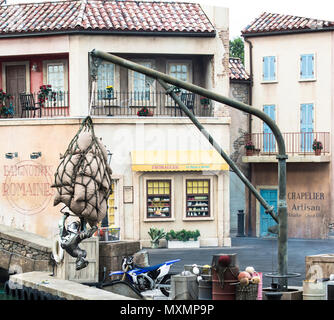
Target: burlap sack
x,y
83,178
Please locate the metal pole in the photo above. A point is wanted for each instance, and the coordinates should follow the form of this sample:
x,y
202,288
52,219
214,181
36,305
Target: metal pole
x,y
281,218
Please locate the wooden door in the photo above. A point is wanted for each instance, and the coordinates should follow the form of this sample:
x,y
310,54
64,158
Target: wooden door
x,y
306,127
16,79
266,220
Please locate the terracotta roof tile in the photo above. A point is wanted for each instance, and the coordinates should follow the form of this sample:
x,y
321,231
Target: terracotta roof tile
x,y
272,22
104,15
237,70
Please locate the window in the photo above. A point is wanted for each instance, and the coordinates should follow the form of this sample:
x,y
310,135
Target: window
x,y
306,127
158,198
268,136
180,70
307,66
269,68
55,74
105,77
142,87
198,198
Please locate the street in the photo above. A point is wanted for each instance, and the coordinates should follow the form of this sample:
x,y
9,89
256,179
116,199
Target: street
x,y
256,252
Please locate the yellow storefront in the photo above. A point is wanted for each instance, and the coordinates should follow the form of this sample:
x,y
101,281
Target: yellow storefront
x,y
181,189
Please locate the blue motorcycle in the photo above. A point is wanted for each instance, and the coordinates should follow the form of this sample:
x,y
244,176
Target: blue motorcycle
x,y
146,278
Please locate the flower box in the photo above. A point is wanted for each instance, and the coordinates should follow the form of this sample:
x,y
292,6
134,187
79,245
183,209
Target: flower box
x,y
176,244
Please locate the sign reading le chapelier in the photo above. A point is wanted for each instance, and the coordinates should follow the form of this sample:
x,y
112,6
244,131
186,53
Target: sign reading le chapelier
x,y
27,186
308,204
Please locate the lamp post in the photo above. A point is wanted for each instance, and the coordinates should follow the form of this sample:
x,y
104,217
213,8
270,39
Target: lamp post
x,y
281,217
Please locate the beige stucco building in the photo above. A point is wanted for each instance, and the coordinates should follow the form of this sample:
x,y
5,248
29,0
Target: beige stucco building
x,y
291,65
192,194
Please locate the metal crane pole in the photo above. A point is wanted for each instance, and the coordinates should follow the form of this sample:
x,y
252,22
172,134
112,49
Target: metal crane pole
x,y
281,218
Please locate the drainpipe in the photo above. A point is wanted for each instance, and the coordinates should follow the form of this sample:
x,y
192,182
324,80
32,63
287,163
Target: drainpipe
x,y
249,229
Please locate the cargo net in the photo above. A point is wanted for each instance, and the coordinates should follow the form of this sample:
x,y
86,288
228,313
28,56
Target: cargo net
x,y
83,177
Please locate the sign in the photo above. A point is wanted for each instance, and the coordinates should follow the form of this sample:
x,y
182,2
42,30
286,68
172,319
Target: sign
x,y
27,186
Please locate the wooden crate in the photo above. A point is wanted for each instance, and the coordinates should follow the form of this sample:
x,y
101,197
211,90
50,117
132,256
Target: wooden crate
x,y
319,266
66,270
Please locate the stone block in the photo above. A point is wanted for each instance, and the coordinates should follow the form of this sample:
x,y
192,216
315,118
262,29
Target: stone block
x,y
4,259
42,265
20,264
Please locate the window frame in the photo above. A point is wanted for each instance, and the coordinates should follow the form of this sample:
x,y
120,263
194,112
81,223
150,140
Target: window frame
x,y
199,194
275,70
146,213
314,67
116,84
46,63
151,102
187,62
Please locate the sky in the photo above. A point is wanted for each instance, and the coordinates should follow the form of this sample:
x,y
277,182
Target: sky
x,y
244,12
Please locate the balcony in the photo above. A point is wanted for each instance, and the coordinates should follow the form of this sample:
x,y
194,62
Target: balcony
x,y
298,147
127,104
55,106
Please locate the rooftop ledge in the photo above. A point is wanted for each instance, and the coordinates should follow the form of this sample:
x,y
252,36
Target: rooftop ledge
x,y
291,158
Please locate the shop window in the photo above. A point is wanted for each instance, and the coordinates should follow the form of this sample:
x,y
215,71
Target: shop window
x,y
198,198
159,198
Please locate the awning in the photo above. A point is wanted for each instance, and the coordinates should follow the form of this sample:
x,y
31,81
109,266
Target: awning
x,y
177,160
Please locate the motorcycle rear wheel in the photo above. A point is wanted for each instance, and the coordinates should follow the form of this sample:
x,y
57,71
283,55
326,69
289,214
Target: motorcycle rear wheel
x,y
166,280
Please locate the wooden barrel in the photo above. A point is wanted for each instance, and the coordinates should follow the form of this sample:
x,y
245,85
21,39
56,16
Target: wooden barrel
x,y
224,290
205,290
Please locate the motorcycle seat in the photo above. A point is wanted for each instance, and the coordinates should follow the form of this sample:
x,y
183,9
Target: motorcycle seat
x,y
149,268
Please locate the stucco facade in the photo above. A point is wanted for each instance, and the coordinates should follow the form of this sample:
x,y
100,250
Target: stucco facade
x,y
308,175
27,196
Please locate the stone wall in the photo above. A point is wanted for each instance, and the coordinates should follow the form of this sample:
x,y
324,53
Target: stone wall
x,y
23,252
111,254
239,126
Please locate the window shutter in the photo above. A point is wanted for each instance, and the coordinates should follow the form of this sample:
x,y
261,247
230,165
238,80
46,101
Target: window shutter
x,y
272,75
265,68
303,73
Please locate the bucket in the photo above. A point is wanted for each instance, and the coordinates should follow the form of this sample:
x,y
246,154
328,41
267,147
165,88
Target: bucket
x,y
232,259
225,291
314,290
205,290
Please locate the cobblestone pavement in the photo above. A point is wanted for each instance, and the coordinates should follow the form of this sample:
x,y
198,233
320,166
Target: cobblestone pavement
x,y
256,252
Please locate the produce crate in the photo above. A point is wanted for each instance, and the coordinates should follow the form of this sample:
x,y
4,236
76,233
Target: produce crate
x,y
248,292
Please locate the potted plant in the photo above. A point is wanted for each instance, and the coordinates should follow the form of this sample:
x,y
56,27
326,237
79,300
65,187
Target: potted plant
x,y
144,112
317,147
249,146
183,239
45,92
5,110
110,92
156,234
204,101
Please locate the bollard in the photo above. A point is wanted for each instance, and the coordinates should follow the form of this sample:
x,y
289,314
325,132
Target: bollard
x,y
241,224
184,287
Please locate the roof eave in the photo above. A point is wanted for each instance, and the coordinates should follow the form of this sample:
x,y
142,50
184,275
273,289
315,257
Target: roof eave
x,y
280,32
111,32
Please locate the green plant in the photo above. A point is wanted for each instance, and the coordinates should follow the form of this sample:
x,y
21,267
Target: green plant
x,y
6,99
45,92
182,235
249,145
156,234
317,145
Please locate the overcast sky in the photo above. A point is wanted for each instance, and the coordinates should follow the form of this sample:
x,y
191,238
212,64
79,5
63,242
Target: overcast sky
x,y
244,12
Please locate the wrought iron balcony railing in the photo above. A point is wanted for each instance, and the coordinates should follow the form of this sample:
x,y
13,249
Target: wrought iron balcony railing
x,y
296,143
128,103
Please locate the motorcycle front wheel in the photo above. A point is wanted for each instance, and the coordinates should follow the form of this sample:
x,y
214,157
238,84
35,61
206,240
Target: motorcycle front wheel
x,y
166,281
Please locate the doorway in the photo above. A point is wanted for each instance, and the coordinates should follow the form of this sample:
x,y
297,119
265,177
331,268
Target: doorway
x,y
266,220
15,79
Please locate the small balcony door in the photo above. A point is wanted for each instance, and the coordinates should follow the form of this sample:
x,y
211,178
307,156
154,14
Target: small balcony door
x,y
269,144
306,127
15,79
